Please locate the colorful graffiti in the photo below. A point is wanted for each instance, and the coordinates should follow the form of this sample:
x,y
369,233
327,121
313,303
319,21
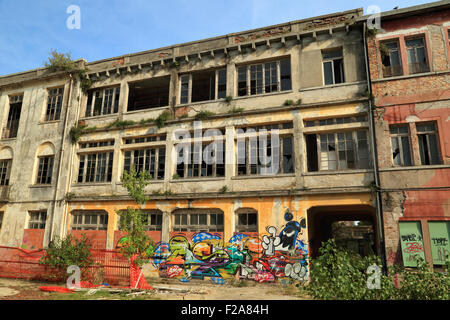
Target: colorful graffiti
x,y
274,256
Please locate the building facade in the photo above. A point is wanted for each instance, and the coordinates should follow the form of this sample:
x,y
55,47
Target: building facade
x,y
409,71
257,142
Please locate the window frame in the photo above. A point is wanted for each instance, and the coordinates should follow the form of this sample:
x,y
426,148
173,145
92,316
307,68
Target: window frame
x,y
424,46
384,68
189,227
98,226
5,173
398,137
332,61
55,98
158,150
92,96
12,124
248,77
189,88
427,134
243,228
83,158
40,169
37,219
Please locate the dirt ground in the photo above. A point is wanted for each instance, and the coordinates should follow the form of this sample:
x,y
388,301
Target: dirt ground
x,y
165,289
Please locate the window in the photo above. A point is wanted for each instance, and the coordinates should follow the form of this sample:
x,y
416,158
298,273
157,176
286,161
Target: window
x,y
150,93
203,86
258,153
274,76
102,101
338,151
5,171
417,55
401,149
1,219
12,125
45,170
202,159
90,220
95,167
440,241
152,220
96,144
390,58
198,220
151,160
333,67
37,219
153,138
247,221
334,121
428,143
54,104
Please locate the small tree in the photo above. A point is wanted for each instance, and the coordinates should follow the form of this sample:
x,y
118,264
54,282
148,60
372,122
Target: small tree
x,y
62,253
60,62
131,220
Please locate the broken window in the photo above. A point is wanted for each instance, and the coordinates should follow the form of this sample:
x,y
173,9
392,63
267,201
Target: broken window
x,y
338,151
95,167
203,159
198,220
266,77
257,154
150,93
54,104
247,221
417,55
333,66
203,86
45,170
12,125
89,220
428,143
151,160
5,171
401,148
390,58
37,219
102,101
152,220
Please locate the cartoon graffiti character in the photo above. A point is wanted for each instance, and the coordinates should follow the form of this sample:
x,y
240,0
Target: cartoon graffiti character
x,y
270,242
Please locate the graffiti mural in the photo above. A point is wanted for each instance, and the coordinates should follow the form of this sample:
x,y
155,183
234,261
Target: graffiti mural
x,y
275,256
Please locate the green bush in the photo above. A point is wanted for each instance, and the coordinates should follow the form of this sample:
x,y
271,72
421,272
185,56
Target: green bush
x,y
60,62
341,275
62,253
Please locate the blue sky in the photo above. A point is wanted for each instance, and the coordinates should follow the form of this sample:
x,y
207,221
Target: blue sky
x,y
30,29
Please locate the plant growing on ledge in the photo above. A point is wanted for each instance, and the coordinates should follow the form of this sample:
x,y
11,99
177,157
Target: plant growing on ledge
x,y
136,241
288,102
59,62
228,99
120,123
203,115
76,132
160,121
236,110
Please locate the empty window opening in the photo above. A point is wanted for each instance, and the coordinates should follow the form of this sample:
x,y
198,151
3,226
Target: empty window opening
x,y
54,104
1,219
428,143
12,125
247,221
5,171
37,219
203,86
102,101
150,93
90,220
333,67
401,148
266,77
198,220
417,55
390,58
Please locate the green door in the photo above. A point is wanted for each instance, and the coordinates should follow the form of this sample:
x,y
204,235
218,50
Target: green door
x,y
439,239
411,242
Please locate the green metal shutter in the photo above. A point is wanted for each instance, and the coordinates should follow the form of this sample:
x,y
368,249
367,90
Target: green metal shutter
x,y
411,242
439,239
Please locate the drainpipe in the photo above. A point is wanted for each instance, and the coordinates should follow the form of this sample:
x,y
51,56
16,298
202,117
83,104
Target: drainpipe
x,y
66,117
379,209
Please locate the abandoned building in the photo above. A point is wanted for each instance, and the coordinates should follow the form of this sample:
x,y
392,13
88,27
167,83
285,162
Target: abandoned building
x,y
285,115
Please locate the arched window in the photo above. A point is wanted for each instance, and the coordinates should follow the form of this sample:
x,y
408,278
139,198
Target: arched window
x,y
246,220
46,156
6,156
197,220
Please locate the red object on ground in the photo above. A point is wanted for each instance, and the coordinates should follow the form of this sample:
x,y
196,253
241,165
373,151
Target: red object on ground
x,y
56,289
135,271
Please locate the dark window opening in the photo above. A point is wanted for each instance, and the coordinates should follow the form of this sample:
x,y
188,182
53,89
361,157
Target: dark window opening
x,y
333,67
428,144
54,104
390,58
5,171
247,222
12,125
150,93
37,219
417,56
203,86
45,170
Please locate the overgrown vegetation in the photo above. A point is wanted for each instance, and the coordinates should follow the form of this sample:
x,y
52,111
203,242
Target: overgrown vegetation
x,y
77,131
203,115
132,220
60,62
342,275
235,110
62,253
120,123
161,120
